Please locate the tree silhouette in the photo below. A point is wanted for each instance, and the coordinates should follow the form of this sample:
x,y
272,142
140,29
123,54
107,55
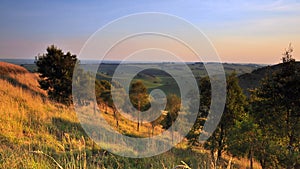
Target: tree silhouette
x,y
203,109
277,111
56,72
245,139
287,55
234,110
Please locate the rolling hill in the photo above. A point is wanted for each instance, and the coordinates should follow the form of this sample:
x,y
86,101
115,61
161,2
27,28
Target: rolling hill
x,y
252,80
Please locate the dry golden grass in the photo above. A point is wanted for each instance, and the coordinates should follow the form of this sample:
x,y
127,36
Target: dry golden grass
x,y
26,115
30,122
242,163
20,77
127,126
7,68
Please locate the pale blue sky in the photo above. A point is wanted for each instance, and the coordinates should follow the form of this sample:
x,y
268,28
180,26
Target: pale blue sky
x,y
242,31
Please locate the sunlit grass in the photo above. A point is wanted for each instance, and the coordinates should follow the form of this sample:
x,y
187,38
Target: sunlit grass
x,y
38,133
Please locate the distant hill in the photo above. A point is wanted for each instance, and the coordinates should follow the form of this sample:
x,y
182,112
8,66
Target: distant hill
x,y
108,67
252,80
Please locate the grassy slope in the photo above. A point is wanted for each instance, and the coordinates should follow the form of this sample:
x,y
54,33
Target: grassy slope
x,y
30,123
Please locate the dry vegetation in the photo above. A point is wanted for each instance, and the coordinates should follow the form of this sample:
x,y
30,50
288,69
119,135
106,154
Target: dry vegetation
x,y
37,133
29,121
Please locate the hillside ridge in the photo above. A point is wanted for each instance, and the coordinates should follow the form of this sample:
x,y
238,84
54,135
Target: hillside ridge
x,y
20,77
252,80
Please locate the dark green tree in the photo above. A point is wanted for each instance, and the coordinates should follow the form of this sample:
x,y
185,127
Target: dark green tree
x,y
55,69
245,139
234,110
203,109
277,111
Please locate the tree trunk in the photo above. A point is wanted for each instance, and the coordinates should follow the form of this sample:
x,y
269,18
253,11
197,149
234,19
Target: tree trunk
x,y
172,127
251,158
138,123
152,126
290,138
220,143
262,163
229,163
106,107
214,158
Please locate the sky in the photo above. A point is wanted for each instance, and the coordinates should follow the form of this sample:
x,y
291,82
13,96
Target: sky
x,y
241,31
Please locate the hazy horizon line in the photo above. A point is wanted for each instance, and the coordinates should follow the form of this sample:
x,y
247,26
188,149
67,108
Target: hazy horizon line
x,y
89,60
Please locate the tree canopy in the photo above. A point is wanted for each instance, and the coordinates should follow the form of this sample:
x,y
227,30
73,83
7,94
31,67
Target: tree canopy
x,y
55,69
234,110
276,109
139,98
173,107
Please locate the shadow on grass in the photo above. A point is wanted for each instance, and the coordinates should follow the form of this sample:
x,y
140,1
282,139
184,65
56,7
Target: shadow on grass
x,y
16,83
62,126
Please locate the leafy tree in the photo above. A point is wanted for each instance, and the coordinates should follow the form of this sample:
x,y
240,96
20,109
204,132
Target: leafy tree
x,y
155,109
277,111
234,110
172,107
103,90
56,71
104,93
205,101
139,98
245,139
83,81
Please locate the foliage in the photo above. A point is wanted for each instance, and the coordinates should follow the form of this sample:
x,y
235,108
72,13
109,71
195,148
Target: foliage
x,y
172,107
103,93
139,98
276,108
245,139
82,85
203,110
234,110
266,130
56,72
287,55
